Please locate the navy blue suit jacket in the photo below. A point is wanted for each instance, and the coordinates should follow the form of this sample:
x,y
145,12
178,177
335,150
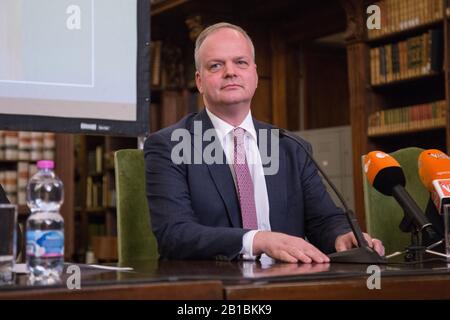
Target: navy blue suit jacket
x,y
195,211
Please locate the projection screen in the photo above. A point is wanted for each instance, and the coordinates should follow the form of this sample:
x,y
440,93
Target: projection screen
x,y
78,66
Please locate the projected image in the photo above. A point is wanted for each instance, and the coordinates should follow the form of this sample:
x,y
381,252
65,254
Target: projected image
x,y
69,58
57,50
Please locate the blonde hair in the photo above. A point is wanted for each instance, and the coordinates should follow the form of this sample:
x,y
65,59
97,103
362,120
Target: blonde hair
x,y
213,28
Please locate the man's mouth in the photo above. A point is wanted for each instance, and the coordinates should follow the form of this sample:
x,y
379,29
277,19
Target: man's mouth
x,y
231,86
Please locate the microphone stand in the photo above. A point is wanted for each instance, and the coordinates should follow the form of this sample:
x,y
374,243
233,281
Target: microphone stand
x,y
416,250
363,253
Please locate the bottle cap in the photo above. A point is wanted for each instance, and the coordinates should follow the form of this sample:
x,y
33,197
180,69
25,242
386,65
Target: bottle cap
x,y
45,164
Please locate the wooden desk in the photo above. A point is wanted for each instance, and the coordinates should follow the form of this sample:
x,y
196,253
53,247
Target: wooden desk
x,y
186,290
349,282
195,280
144,283
417,287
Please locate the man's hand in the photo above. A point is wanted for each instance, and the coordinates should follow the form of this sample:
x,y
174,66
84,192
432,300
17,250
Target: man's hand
x,y
347,241
286,248
278,269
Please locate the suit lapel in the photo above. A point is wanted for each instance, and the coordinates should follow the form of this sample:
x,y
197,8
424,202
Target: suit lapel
x,y
276,183
220,173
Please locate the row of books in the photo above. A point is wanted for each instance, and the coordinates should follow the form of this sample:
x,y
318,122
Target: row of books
x,y
398,15
95,160
15,182
26,146
172,66
100,192
415,56
412,118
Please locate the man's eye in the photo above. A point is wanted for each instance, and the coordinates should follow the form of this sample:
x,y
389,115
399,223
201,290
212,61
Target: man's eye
x,y
242,63
214,66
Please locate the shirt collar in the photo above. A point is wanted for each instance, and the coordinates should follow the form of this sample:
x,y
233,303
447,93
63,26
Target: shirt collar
x,y
223,128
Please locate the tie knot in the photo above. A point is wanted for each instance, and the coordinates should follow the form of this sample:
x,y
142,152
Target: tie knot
x,y
239,136
238,132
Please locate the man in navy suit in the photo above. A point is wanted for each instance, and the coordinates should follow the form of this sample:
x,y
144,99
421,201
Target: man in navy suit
x,y
237,208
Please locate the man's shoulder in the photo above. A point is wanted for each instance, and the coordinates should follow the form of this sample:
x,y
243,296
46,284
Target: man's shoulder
x,y
263,125
184,123
285,142
166,133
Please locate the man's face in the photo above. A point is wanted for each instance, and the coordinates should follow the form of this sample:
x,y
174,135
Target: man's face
x,y
227,73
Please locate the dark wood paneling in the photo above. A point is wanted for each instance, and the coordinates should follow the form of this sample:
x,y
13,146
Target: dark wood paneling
x,y
259,35
292,88
279,69
358,74
326,92
261,103
447,77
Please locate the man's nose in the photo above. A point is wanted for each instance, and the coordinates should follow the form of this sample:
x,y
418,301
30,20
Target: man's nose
x,y
229,70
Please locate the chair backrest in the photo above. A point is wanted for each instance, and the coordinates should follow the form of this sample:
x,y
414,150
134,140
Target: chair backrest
x,y
383,213
136,241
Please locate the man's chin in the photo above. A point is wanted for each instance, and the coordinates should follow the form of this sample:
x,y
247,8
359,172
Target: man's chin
x,y
235,101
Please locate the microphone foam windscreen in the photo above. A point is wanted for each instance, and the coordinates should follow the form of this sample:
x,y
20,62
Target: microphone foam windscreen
x,y
433,164
383,172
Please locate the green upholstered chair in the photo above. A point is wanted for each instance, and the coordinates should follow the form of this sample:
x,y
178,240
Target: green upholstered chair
x,y
383,213
136,241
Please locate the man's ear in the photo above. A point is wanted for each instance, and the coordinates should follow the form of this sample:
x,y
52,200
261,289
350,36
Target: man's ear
x,y
257,77
198,82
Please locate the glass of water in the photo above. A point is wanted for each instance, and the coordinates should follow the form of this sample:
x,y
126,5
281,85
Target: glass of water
x,y
8,240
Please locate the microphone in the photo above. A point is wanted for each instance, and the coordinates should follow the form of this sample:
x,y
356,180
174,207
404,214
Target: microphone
x,y
434,171
386,176
363,253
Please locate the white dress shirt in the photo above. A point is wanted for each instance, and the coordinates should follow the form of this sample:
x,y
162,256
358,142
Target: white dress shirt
x,y
224,133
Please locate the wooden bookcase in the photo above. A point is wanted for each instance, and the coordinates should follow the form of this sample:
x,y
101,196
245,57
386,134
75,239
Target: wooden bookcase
x,y
367,98
95,197
62,153
277,28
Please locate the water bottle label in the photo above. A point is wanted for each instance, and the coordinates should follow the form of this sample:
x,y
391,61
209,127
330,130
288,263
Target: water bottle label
x,y
45,244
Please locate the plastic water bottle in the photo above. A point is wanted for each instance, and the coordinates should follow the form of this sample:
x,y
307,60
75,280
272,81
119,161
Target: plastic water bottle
x,y
45,226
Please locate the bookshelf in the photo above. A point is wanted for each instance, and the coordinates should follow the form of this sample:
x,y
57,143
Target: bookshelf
x,y
19,152
277,28
95,197
399,83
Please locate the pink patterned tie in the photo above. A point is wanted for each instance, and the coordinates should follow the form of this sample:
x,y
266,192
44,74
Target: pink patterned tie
x,y
244,182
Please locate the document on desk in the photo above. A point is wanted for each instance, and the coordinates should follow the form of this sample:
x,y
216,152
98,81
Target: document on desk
x,y
20,268
112,268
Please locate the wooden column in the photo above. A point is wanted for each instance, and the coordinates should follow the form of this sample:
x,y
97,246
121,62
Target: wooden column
x,y
358,77
65,164
447,76
279,59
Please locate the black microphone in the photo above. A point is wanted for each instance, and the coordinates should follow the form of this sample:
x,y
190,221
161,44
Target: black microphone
x,y
363,253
